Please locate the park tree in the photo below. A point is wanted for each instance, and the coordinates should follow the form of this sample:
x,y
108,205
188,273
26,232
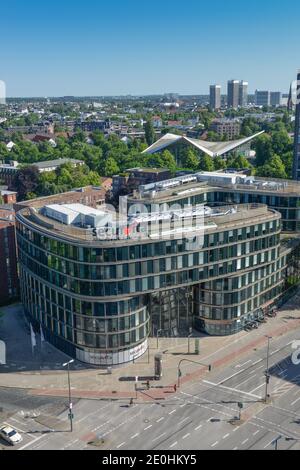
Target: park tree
x,y
111,167
149,132
273,168
264,149
190,160
206,163
26,181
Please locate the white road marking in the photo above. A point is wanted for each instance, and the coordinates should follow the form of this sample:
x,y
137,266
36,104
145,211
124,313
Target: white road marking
x,y
244,442
32,442
135,435
187,435
256,432
156,439
294,402
160,419
232,389
121,445
230,377
226,435
198,427
215,444
245,363
269,444
173,445
257,362
148,427
257,388
185,419
171,412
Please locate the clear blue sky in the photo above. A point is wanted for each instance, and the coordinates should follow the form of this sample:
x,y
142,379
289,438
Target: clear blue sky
x,y
97,47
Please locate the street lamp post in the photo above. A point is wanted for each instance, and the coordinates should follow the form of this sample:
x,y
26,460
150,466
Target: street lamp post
x,y
267,371
189,338
157,336
287,439
67,364
179,373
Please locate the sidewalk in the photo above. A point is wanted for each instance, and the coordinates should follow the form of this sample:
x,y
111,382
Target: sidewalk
x,y
214,351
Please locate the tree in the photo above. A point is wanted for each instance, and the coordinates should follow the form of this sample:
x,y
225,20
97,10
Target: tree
x,y
240,162
26,181
219,163
273,168
264,149
206,163
111,167
281,142
190,160
149,132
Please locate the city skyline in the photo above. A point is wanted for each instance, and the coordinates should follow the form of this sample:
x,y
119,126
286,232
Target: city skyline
x,y
100,50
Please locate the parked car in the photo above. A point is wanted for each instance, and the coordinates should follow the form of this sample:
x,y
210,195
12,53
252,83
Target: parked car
x,y
10,435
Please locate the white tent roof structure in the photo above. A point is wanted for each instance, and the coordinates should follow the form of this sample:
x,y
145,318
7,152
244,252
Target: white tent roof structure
x,y
213,149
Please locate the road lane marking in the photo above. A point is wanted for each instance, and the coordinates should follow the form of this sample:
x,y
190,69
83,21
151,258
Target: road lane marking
x,y
242,365
268,445
257,388
257,362
32,442
171,412
185,419
230,377
226,435
215,444
160,419
148,427
156,438
294,402
198,427
121,445
187,435
135,435
244,442
173,445
232,389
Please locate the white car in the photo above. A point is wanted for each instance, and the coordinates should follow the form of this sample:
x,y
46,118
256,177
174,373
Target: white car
x,y
10,435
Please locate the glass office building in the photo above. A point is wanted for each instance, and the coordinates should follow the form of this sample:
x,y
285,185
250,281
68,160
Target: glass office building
x,y
99,300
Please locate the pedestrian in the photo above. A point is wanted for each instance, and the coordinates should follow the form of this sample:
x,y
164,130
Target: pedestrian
x,y
148,384
175,388
131,402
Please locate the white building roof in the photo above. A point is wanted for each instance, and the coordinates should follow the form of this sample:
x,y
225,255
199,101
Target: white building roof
x,y
213,149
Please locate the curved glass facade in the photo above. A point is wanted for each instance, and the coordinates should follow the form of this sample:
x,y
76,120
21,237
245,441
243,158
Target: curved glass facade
x,y
99,301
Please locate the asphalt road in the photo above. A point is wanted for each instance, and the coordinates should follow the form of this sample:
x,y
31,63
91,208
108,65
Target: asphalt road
x,y
198,417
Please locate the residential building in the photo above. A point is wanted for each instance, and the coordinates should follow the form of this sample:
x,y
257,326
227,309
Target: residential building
x,y
215,97
8,197
243,94
91,126
262,98
233,94
8,171
275,98
231,128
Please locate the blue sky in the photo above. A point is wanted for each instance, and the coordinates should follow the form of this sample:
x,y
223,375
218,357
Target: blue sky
x,y
97,47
